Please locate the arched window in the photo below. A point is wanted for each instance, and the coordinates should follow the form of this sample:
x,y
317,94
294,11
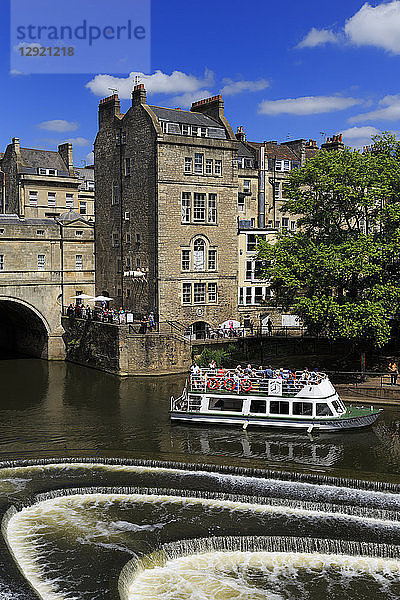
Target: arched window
x,y
199,255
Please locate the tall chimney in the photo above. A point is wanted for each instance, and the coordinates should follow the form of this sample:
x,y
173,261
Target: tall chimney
x,y
213,107
65,151
108,108
240,134
139,95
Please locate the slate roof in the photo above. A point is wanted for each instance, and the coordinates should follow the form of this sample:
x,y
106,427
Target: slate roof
x,y
243,151
187,117
46,159
280,151
85,173
15,220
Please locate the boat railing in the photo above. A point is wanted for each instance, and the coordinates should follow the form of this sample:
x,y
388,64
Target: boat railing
x,y
229,381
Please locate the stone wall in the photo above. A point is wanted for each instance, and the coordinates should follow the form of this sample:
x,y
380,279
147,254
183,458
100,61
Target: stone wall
x,y
116,349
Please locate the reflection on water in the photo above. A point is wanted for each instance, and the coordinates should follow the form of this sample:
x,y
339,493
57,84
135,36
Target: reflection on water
x,y
63,409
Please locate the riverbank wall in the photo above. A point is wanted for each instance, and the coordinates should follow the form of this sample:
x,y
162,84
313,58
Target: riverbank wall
x,y
117,349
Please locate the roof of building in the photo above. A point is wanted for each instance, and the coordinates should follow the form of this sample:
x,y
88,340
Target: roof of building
x,y
280,151
70,215
47,159
86,173
14,219
244,151
187,117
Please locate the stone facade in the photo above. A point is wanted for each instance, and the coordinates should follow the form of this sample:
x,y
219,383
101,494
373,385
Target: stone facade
x,y
43,263
117,350
166,202
40,184
180,202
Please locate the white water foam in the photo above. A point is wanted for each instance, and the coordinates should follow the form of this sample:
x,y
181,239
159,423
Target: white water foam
x,y
74,512
225,575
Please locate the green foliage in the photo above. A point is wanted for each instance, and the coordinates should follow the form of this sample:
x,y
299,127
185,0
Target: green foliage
x,y
340,271
219,355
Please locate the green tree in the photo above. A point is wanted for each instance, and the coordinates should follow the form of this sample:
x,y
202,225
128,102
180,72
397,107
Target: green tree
x,y
340,271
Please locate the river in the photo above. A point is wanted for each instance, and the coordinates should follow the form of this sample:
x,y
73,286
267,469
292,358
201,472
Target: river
x,y
117,483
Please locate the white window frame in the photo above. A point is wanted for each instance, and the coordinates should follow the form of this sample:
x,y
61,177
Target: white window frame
x,y
69,201
212,209
51,199
212,259
41,262
186,130
218,167
1,262
199,208
198,163
188,164
212,292
247,185
199,254
185,259
199,297
209,166
82,207
78,262
33,198
186,206
186,293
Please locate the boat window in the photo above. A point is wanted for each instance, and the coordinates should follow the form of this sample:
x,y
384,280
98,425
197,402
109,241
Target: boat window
x,y
337,406
323,410
226,404
278,407
302,408
258,406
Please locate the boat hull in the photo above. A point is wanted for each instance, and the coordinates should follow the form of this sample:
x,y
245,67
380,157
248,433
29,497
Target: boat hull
x,y
328,424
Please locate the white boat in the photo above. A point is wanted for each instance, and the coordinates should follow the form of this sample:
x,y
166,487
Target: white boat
x,y
298,400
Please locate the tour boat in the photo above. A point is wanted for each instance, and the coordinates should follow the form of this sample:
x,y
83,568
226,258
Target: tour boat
x,y
298,400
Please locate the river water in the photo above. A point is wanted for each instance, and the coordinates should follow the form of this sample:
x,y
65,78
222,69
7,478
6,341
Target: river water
x,y
103,498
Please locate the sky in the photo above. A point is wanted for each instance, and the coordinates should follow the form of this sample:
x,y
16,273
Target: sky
x,y
285,70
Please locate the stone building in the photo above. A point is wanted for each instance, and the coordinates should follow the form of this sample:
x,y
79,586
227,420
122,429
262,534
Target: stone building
x,y
43,264
167,206
42,184
180,204
264,169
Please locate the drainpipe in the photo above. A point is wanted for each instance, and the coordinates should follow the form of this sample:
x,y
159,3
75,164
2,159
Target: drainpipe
x,y
261,191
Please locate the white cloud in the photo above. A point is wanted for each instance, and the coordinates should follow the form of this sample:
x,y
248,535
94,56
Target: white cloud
x,y
186,100
355,133
376,26
90,158
58,125
318,37
157,83
79,141
307,105
390,112
236,87
357,137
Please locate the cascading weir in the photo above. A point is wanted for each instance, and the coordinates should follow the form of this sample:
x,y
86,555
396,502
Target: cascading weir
x,y
179,528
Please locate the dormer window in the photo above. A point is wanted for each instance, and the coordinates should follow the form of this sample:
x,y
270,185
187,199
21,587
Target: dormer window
x,y
163,126
42,171
185,129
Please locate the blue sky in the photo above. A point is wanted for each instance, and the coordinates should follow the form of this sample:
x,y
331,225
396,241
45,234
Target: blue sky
x,y
285,70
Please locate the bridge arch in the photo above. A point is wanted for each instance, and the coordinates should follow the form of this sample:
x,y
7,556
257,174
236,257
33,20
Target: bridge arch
x,y
23,328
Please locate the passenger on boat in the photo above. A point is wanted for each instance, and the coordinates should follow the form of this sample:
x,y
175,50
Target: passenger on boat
x,y
269,372
213,364
249,371
305,376
239,371
195,369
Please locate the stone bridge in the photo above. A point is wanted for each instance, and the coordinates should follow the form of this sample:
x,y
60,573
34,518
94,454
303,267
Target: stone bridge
x,y
30,321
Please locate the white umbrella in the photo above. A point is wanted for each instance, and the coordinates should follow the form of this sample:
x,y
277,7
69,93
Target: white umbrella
x,y
230,324
83,297
102,299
